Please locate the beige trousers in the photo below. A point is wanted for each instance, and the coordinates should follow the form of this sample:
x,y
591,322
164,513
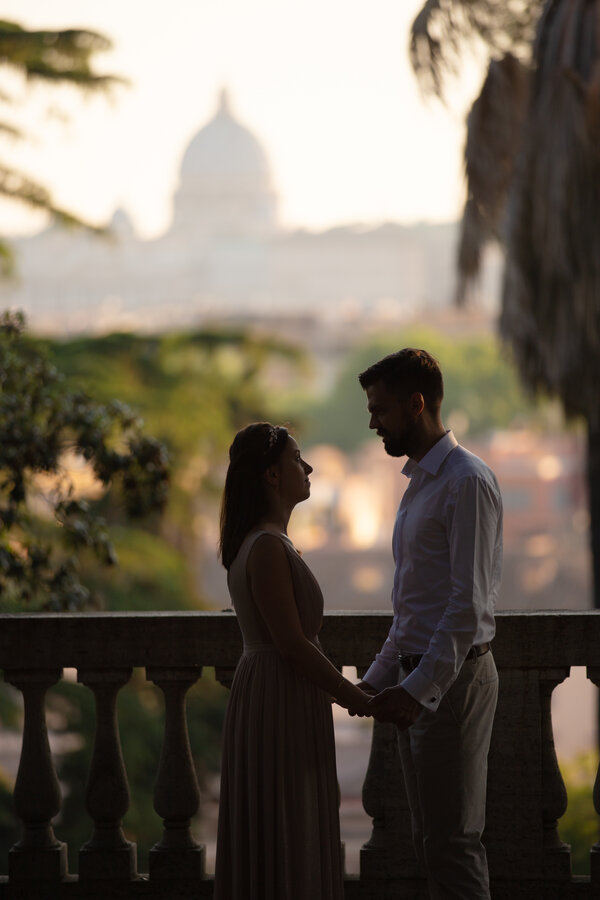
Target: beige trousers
x,y
444,761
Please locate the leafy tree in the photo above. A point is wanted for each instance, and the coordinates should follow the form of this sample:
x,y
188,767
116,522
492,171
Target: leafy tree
x,y
62,57
44,524
194,390
533,172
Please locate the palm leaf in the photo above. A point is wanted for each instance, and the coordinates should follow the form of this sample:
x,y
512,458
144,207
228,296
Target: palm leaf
x,y
551,295
494,127
443,28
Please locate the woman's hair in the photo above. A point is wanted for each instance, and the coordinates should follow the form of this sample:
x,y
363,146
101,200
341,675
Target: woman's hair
x,y
245,499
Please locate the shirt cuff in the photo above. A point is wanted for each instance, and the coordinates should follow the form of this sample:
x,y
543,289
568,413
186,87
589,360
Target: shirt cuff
x,y
381,677
426,692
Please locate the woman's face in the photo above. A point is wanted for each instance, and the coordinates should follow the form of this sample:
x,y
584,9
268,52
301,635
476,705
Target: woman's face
x,y
293,473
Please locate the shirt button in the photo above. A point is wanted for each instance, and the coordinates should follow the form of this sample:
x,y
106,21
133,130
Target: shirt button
x,y
433,700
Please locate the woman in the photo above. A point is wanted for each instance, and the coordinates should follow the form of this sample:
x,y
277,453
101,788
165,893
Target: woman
x,y
278,835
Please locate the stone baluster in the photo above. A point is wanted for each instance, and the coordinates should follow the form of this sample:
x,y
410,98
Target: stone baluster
x,y
514,820
593,673
37,799
224,675
107,855
557,855
176,793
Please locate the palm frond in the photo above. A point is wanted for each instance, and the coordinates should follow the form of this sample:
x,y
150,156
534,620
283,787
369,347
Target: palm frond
x,y
551,295
494,127
443,29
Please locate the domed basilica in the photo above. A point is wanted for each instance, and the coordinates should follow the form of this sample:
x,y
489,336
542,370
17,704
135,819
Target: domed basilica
x,y
225,255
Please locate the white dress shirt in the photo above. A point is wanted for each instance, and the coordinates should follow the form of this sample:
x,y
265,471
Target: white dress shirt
x,y
447,545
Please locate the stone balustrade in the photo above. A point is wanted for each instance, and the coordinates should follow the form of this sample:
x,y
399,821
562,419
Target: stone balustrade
x,y
526,796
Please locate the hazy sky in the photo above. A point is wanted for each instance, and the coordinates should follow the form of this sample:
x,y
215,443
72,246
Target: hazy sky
x,y
324,84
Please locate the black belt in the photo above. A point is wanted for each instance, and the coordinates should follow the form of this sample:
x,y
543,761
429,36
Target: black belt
x,y
409,663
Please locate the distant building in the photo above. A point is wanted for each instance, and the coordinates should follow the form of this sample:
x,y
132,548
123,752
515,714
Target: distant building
x,y
225,253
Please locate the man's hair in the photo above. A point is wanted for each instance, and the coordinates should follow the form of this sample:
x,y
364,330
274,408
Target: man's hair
x,y
407,372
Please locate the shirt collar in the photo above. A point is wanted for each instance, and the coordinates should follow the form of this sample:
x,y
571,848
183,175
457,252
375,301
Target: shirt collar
x,y
434,458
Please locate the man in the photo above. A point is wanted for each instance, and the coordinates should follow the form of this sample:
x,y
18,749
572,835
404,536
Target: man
x,y
435,672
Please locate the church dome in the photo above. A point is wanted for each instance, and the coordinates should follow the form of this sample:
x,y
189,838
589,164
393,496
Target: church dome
x,y
225,183
223,148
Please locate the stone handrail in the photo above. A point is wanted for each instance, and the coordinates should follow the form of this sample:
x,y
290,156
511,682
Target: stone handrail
x,y
526,794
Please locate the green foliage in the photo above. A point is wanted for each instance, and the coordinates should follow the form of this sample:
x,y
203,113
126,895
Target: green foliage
x,y
44,525
481,389
151,574
58,56
194,390
580,825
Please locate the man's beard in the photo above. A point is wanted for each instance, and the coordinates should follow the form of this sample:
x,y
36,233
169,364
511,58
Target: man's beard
x,y
398,444
395,445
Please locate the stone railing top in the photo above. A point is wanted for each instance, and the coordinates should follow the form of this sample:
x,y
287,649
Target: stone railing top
x,y
535,639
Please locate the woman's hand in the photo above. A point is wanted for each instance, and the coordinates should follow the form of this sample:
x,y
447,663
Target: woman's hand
x,y
359,702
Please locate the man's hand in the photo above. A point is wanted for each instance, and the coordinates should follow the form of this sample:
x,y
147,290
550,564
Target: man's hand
x,y
368,689
395,704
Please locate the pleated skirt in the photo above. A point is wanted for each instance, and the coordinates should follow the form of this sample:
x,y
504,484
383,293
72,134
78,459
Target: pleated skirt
x,y
278,833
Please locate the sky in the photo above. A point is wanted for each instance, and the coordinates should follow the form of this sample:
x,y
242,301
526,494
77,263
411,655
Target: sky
x,y
325,85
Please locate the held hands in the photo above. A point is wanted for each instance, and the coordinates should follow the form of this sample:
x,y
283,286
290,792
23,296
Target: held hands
x,y
362,709
395,704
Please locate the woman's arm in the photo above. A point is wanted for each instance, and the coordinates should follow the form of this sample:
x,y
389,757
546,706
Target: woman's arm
x,y
270,580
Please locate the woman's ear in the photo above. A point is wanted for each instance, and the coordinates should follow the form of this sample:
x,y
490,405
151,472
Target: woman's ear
x,y
271,476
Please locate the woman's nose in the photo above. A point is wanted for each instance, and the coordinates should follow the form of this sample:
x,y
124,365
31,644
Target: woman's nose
x,y
308,468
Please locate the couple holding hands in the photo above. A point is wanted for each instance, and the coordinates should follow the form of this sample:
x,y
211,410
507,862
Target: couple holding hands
x,y
434,678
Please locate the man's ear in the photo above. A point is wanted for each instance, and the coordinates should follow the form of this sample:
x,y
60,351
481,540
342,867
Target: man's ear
x,y
416,404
